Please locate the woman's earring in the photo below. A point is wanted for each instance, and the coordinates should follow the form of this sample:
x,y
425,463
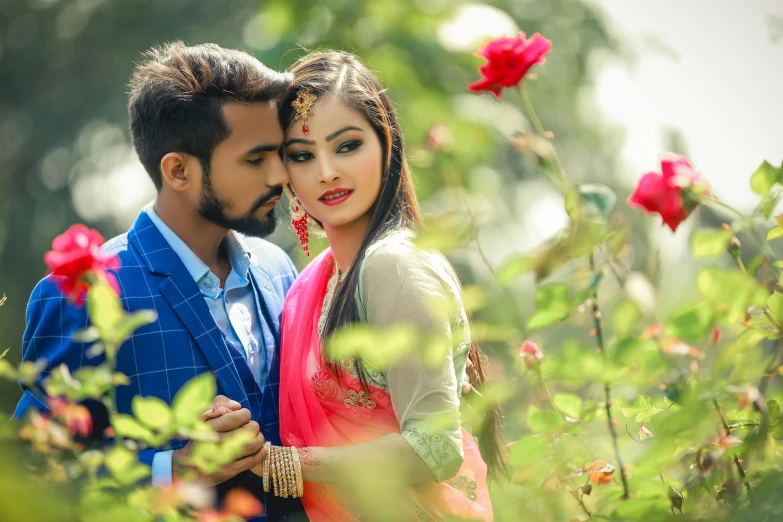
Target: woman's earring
x,y
299,222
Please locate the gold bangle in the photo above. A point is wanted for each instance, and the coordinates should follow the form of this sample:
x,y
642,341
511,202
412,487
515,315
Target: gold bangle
x,y
273,465
286,472
292,490
265,478
298,472
291,474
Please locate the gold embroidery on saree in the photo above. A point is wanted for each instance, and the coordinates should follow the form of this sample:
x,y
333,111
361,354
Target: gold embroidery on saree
x,y
359,403
323,385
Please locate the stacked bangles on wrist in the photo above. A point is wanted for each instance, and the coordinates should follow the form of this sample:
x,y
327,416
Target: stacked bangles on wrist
x,y
282,471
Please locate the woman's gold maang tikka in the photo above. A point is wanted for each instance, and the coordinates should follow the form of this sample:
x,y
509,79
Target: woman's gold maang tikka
x,y
303,105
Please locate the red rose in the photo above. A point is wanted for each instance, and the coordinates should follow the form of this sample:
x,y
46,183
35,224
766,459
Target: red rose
x,y
508,61
76,417
74,254
663,193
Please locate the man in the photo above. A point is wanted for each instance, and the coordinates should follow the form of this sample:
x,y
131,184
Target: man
x,y
204,125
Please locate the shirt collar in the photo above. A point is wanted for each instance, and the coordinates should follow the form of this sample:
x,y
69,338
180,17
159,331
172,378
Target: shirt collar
x,y
208,283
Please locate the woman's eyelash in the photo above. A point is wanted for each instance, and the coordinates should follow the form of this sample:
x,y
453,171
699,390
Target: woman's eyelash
x,y
303,156
350,145
300,157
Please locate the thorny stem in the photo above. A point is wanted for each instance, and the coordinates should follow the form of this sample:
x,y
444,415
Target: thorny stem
x,y
737,462
581,502
607,389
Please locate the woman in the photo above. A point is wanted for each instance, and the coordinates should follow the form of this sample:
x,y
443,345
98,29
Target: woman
x,y
378,431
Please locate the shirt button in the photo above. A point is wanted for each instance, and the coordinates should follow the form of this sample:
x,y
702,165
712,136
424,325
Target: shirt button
x,y
208,282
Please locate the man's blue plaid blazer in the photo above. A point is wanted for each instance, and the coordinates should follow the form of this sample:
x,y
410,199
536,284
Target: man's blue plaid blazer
x,y
184,342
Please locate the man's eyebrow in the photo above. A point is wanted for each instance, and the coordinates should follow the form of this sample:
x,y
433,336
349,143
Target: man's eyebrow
x,y
263,148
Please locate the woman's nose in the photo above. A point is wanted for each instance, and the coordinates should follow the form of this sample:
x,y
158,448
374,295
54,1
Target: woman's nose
x,y
327,171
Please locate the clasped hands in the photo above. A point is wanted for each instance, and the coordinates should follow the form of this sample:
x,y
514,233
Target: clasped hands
x,y
227,417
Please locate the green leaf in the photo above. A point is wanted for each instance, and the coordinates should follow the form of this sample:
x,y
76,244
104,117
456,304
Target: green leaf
x,y
151,411
194,398
231,447
596,201
647,415
130,323
691,323
7,371
731,289
119,460
775,233
749,339
2,356
710,243
624,316
87,335
529,450
104,307
638,509
774,409
513,269
765,178
543,421
640,404
770,202
553,303
127,426
775,305
568,403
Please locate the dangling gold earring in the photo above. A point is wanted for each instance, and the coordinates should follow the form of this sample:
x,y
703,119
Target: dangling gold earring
x,y
298,220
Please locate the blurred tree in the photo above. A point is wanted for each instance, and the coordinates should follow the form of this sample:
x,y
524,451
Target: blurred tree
x,y
65,64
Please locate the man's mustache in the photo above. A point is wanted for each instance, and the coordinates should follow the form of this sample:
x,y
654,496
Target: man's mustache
x,y
274,193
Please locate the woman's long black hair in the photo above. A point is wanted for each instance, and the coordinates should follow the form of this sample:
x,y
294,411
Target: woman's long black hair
x,y
345,77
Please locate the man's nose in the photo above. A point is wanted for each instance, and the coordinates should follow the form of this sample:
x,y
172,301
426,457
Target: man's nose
x,y
278,175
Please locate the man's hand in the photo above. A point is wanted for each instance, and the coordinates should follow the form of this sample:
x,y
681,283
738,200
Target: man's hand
x,y
226,417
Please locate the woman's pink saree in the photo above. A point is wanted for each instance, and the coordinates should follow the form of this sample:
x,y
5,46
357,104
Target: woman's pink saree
x,y
316,410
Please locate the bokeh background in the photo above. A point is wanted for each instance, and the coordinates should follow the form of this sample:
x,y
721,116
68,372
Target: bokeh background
x,y
625,81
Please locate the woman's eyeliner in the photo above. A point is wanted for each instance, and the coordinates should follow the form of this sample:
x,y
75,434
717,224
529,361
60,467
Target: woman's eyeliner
x,y
344,148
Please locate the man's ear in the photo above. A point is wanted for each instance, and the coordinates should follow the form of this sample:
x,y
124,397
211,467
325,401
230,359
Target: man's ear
x,y
174,172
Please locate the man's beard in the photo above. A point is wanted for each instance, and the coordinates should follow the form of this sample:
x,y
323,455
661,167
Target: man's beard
x,y
212,208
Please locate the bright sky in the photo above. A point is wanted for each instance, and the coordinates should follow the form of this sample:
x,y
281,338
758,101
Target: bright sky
x,y
720,86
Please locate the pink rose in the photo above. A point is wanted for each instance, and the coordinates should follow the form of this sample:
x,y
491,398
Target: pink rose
x,y
531,353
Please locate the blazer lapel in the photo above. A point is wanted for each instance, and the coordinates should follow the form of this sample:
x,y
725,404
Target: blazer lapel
x,y
269,308
183,295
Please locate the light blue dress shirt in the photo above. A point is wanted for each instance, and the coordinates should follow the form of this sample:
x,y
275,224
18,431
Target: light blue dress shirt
x,y
233,307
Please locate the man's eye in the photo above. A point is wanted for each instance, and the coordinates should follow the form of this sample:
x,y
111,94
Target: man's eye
x,y
349,146
256,161
300,157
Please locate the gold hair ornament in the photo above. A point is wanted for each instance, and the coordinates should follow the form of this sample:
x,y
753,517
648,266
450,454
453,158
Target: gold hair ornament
x,y
303,105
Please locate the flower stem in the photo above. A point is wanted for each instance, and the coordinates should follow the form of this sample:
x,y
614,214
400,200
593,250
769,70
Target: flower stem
x,y
607,389
715,203
560,177
581,503
111,362
737,462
